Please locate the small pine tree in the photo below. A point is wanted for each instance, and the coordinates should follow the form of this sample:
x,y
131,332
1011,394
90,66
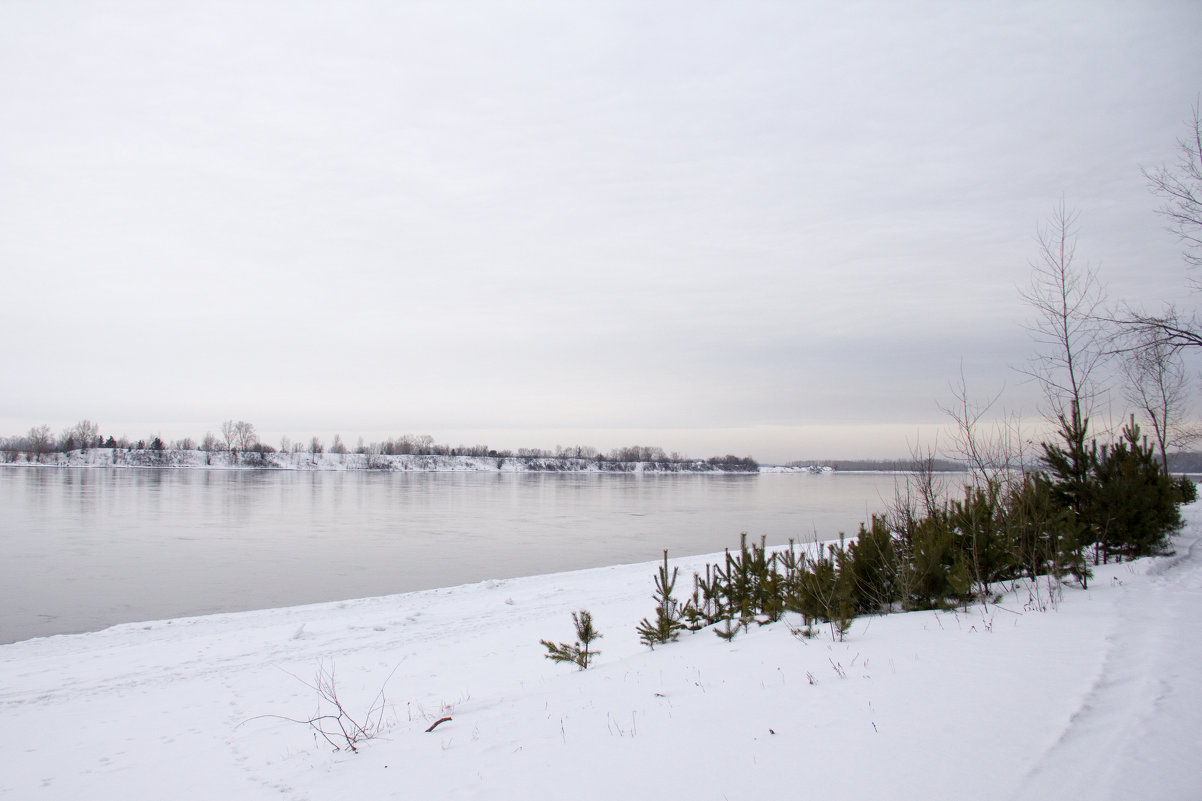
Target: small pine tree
x,y
706,607
930,560
1045,535
580,653
1187,490
1136,502
875,566
693,612
843,618
668,614
729,629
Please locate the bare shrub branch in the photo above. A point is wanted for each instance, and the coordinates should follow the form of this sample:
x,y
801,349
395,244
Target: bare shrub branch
x,y
991,446
331,721
920,494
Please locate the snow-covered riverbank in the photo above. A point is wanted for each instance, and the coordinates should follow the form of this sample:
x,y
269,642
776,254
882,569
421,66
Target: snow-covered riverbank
x,y
254,460
1095,699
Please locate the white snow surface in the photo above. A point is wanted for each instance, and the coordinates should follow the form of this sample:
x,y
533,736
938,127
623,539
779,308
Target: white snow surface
x,y
1095,697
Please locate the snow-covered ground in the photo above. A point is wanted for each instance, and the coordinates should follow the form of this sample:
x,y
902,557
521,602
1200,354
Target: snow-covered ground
x,y
303,461
1096,698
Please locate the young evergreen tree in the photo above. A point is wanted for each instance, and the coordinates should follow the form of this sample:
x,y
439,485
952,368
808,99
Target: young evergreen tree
x,y
873,566
749,583
1047,538
705,608
937,575
1123,501
729,629
580,653
824,589
1070,467
1136,501
1187,490
668,613
979,526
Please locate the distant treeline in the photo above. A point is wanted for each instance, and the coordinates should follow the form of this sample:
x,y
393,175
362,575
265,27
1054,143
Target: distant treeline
x,y
1180,462
1185,462
240,437
883,465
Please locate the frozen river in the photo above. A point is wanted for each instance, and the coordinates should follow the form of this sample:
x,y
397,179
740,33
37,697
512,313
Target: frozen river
x,y
82,549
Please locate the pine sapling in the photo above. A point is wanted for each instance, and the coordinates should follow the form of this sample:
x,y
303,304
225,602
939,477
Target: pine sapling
x,y
693,612
579,653
712,591
729,629
841,622
668,614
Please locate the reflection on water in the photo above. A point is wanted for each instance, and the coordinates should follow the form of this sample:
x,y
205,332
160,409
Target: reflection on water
x,y
86,548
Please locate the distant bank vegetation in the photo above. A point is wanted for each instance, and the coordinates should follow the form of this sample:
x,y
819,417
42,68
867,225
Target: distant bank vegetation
x,y
239,445
1176,462
883,465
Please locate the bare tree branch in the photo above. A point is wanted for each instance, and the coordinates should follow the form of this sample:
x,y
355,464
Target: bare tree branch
x,y
1067,302
1156,384
1181,189
1134,330
919,495
994,450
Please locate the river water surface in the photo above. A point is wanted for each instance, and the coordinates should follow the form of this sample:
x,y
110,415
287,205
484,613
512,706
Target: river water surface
x,y
85,548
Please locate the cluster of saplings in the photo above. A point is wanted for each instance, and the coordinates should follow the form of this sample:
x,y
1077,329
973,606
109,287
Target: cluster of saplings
x,y
1091,504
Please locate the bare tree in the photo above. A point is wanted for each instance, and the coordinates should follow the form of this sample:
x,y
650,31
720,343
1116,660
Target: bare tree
x,y
229,433
1156,384
992,449
40,440
209,442
86,434
1181,190
244,435
1068,325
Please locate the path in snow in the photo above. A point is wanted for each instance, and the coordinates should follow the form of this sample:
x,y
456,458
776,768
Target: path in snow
x,y
1140,725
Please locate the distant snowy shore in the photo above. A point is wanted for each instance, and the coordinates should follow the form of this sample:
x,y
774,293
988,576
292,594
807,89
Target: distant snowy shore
x,y
254,460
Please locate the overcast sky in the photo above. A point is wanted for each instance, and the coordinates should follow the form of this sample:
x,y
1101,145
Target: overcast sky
x,y
775,229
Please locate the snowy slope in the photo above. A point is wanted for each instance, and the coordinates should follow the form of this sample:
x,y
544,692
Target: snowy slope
x,y
1096,698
